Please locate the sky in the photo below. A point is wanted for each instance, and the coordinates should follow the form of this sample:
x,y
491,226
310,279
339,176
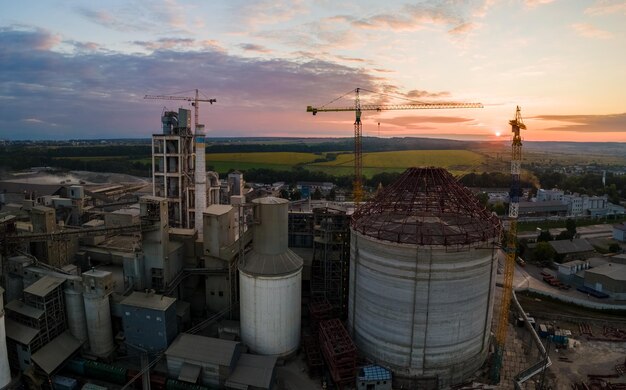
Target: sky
x,y
80,69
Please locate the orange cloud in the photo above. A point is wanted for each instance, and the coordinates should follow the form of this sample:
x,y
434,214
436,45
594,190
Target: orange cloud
x,y
589,31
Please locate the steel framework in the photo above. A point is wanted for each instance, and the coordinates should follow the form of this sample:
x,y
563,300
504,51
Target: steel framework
x,y
339,351
331,257
427,206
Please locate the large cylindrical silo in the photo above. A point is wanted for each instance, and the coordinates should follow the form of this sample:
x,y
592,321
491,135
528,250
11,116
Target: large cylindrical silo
x,y
422,279
97,286
75,309
270,283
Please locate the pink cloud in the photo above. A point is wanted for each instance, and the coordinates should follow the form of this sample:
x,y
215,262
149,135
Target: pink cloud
x,y
589,31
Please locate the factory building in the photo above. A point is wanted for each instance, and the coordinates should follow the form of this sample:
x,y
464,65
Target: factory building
x,y
422,279
149,320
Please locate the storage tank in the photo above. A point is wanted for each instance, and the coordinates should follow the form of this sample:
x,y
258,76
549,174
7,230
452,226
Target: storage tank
x,y
97,286
75,309
422,278
270,283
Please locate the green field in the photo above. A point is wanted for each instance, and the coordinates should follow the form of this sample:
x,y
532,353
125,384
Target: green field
x,y
456,161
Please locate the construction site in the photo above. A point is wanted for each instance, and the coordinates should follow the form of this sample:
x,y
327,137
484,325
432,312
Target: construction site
x,y
195,281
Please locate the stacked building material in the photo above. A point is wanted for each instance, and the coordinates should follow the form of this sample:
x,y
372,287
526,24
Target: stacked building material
x,y
320,309
339,351
314,360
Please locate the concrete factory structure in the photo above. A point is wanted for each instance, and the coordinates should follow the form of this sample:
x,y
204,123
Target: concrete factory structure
x,y
271,284
422,279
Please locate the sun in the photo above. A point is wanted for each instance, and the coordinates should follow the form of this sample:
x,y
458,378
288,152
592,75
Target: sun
x,y
498,134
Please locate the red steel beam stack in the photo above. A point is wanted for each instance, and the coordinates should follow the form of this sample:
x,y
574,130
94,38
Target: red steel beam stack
x,y
314,360
339,351
319,310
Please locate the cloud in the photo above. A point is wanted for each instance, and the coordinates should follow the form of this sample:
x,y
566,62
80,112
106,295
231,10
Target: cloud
x,y
33,39
179,44
589,31
604,7
255,48
269,12
417,94
93,94
135,16
464,28
586,123
414,120
536,3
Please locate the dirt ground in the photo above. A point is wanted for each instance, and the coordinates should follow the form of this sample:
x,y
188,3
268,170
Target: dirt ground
x,y
583,356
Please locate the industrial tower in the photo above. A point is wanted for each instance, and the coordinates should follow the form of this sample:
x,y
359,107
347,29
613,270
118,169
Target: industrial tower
x,y
177,175
358,126
509,265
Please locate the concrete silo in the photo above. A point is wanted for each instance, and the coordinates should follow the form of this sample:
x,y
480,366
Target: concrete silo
x,y
270,283
97,286
422,278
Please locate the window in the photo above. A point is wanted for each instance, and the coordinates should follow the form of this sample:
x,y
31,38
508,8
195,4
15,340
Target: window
x,y
158,318
147,317
127,313
221,294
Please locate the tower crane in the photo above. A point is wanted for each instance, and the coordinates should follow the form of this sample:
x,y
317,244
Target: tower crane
x,y
358,108
194,102
510,251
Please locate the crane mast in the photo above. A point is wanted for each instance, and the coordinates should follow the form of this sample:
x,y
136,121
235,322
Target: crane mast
x,y
358,108
510,251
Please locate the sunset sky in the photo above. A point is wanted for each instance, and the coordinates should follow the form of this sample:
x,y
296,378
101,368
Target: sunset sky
x,y
71,69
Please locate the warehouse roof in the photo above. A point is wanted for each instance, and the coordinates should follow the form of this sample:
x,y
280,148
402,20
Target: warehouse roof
x,y
53,354
148,301
203,349
576,245
44,286
610,270
24,309
252,371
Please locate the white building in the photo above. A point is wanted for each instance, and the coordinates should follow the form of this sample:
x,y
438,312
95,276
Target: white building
x,y
547,195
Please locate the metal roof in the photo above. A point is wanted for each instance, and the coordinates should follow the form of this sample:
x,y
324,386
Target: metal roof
x,y
571,246
44,286
53,354
23,309
189,373
270,200
148,301
611,270
21,333
426,206
217,209
374,373
285,263
252,370
203,349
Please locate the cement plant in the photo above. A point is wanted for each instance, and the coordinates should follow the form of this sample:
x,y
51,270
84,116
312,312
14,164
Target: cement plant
x,y
192,280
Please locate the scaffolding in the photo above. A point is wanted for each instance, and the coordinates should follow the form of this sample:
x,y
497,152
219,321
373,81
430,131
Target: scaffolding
x,y
339,352
331,256
300,229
